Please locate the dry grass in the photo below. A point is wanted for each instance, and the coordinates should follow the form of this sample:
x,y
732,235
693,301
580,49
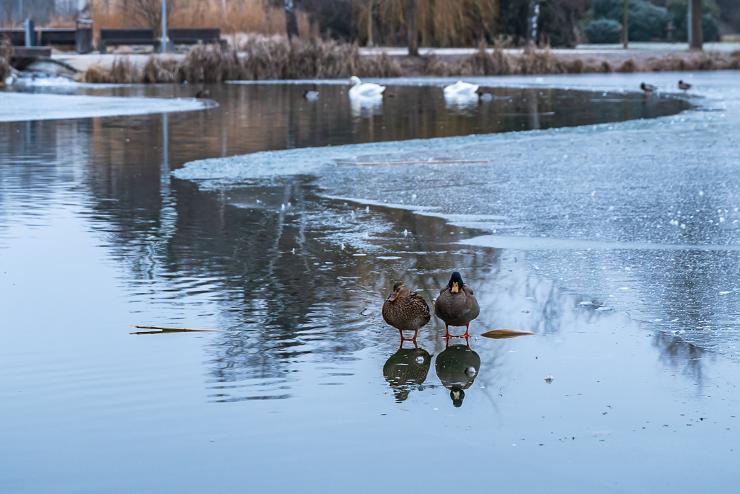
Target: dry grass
x,y
628,66
6,52
259,57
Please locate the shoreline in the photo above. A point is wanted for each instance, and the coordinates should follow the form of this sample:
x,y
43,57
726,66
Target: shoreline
x,y
280,60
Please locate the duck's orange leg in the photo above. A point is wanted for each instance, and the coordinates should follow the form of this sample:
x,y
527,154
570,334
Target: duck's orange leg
x,y
467,333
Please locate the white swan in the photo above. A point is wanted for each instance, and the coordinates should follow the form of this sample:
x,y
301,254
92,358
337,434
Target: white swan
x,y
367,90
461,90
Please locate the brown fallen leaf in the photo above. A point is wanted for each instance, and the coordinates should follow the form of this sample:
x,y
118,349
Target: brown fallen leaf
x,y
505,333
164,330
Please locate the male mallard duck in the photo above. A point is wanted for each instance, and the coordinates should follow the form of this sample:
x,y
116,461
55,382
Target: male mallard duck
x,y
405,310
457,367
648,89
684,86
456,304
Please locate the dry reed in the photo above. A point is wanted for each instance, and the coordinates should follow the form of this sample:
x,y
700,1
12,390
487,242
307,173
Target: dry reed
x,y
273,57
6,53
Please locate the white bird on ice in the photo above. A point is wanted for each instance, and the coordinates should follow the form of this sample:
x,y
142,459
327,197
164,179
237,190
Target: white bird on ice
x,y
461,89
366,90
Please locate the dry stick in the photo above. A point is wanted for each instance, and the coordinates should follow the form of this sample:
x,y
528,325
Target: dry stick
x,y
505,333
163,329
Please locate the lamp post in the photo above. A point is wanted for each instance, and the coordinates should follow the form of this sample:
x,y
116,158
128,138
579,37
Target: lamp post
x,y
163,42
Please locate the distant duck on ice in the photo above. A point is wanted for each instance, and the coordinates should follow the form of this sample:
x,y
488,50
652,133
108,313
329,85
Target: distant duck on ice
x,y
311,95
366,90
648,89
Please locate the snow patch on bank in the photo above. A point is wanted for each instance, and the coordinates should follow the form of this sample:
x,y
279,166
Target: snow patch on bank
x,y
16,107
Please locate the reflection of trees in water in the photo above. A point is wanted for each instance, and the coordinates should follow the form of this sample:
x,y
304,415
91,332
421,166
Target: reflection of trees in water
x,y
190,251
680,354
39,161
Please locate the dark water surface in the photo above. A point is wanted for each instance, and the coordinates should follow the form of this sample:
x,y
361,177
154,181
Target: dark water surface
x,y
303,388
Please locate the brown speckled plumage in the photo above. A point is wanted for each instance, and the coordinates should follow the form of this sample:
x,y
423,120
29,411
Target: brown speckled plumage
x,y
405,310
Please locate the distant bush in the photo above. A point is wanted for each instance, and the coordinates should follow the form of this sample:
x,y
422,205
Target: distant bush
x,y
603,31
647,22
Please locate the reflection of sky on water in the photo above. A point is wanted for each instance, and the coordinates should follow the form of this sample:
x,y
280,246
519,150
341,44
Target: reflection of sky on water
x,y
96,235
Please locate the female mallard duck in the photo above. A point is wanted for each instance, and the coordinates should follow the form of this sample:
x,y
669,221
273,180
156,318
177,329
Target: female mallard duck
x,y
405,310
456,304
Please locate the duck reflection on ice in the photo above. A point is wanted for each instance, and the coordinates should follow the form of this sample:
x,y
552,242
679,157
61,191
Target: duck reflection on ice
x,y
457,367
405,368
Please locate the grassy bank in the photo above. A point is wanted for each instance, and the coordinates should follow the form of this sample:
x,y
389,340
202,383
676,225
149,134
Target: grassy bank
x,y
260,58
6,51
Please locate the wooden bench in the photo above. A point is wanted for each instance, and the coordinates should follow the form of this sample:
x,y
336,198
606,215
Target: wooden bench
x,y
193,36
125,37
57,36
17,37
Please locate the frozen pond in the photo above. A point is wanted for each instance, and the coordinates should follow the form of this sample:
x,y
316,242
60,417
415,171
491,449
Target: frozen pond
x,y
614,240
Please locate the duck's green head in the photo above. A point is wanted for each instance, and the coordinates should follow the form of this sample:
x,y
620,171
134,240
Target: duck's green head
x,y
457,395
456,282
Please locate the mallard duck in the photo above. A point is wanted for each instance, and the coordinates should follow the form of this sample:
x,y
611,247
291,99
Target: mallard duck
x,y
311,95
408,366
648,89
684,86
367,90
457,367
203,94
456,304
405,310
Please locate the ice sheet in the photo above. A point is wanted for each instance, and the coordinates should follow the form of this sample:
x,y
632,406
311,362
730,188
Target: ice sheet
x,y
16,107
642,214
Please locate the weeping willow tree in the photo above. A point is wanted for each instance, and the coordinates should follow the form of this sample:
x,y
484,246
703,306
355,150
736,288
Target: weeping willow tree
x,y
438,22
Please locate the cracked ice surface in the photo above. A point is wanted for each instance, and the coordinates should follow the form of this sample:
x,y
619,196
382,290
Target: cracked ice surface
x,y
15,107
640,216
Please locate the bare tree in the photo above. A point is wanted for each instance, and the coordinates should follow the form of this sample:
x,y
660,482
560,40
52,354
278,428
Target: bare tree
x,y
149,12
291,21
695,27
625,24
412,30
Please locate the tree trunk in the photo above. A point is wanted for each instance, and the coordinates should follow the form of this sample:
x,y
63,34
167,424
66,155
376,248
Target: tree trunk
x,y
412,30
695,29
370,23
626,24
291,21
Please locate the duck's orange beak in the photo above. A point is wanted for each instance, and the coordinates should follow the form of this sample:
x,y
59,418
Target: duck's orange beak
x,y
392,297
455,287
